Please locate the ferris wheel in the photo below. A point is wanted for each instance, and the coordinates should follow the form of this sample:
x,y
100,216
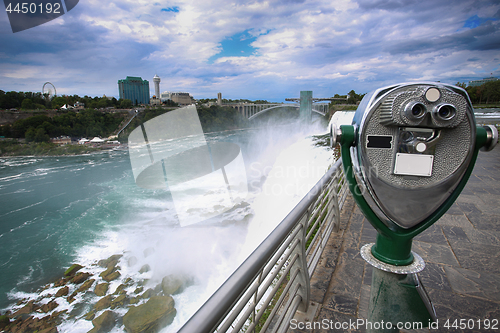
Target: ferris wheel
x,y
48,90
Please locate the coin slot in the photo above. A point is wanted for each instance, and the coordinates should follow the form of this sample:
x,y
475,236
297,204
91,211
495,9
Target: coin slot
x,y
379,141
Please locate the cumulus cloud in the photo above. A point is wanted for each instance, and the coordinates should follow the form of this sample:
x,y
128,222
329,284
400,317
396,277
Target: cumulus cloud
x,y
289,45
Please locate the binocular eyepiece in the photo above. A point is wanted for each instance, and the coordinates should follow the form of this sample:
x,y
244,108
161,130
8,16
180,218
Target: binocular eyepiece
x,y
442,114
429,107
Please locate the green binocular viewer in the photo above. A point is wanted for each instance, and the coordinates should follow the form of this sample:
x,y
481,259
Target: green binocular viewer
x,y
407,156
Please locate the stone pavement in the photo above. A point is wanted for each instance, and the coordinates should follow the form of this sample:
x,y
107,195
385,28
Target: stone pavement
x,y
461,252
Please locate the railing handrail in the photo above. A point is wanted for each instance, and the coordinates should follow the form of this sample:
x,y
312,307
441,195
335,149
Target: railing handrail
x,y
214,310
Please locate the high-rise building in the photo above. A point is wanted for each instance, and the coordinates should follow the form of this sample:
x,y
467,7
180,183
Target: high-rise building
x,y
156,81
135,89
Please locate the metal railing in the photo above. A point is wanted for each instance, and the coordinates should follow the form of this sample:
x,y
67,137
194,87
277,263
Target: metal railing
x,y
266,290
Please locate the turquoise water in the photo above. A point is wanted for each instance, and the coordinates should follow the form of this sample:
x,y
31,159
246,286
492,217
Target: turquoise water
x,y
52,206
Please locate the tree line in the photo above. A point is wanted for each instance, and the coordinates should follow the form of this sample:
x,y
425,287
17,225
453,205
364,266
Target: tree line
x,y
86,123
351,98
39,101
486,93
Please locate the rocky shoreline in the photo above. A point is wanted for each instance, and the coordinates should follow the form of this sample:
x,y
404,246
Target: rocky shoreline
x,y
128,305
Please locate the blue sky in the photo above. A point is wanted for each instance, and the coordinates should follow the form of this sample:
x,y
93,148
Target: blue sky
x,y
254,49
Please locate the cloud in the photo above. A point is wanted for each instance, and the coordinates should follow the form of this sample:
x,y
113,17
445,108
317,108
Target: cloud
x,y
255,49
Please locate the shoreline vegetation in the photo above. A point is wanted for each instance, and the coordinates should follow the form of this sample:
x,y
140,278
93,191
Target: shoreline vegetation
x,y
14,148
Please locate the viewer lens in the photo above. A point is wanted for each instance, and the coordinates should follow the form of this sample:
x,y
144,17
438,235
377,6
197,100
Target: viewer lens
x,y
446,112
417,110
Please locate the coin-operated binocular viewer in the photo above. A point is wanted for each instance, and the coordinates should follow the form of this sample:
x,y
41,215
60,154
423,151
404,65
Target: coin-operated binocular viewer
x,y
407,156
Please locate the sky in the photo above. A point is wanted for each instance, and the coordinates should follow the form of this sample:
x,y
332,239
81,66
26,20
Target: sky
x,y
268,50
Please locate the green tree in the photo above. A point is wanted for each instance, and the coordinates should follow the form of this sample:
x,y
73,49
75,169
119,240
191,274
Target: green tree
x,y
10,100
169,102
492,91
41,136
125,103
50,129
30,134
103,103
27,104
5,130
353,97
58,101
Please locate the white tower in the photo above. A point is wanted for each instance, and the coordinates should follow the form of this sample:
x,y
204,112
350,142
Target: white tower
x,y
156,81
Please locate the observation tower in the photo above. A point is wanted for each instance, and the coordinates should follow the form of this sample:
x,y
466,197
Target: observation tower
x,y
156,81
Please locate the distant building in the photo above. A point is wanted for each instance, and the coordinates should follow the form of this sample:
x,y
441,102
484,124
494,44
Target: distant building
x,y
165,96
154,101
79,105
181,98
135,89
62,140
476,83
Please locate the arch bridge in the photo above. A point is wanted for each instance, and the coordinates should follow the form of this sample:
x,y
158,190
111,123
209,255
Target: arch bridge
x,y
252,111
306,104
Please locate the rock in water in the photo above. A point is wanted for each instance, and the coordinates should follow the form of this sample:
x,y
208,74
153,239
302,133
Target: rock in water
x,y
49,330
103,303
111,277
111,261
152,316
27,309
171,285
72,270
80,277
62,292
86,285
49,306
101,289
4,321
145,268
120,301
103,323
132,261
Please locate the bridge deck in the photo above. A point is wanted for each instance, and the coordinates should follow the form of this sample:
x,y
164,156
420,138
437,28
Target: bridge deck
x,y
461,252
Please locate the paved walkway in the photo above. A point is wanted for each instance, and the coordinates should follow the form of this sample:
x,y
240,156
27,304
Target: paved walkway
x,y
461,252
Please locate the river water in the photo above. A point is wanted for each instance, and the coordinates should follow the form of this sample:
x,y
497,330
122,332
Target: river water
x,y
56,211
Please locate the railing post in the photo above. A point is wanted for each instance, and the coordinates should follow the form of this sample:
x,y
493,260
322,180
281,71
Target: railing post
x,y
304,290
336,208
